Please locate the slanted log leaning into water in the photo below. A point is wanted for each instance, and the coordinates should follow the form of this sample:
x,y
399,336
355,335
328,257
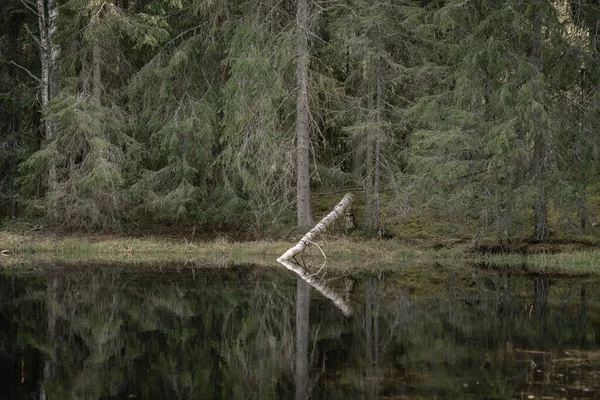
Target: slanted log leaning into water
x,y
337,212
286,259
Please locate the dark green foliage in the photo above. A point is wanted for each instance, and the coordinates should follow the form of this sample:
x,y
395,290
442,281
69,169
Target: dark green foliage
x,y
19,110
480,134
184,112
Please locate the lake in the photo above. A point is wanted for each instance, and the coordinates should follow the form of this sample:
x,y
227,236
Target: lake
x,y
254,332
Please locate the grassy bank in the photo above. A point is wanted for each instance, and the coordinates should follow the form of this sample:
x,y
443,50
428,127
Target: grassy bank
x,y
341,253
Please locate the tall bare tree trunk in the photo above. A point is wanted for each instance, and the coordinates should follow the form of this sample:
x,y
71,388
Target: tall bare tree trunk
x,y
373,160
377,166
369,177
49,55
303,204
540,208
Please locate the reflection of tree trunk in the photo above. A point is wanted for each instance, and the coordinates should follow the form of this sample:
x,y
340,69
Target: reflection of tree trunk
x,y
343,303
540,208
302,328
582,312
372,337
49,371
540,296
372,321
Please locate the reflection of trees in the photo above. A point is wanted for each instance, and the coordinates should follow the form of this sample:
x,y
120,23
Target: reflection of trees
x,y
541,285
459,341
228,334
258,350
377,325
107,334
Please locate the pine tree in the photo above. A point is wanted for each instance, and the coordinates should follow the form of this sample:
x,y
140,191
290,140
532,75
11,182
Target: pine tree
x,y
176,106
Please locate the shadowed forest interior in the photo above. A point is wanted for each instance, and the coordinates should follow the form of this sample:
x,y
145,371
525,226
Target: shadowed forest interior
x,y
478,118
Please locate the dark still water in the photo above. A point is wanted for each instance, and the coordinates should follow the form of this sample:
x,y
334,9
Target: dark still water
x,y
249,332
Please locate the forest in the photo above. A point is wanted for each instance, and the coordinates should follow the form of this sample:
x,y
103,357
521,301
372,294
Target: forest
x,y
242,114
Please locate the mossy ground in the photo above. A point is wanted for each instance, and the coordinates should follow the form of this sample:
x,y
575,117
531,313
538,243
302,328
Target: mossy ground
x,y
419,241
341,253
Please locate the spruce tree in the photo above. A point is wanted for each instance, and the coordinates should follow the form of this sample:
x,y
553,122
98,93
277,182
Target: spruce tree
x,y
370,50
19,112
490,133
90,151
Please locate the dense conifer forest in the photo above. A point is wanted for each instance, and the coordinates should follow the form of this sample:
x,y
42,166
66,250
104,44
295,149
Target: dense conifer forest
x,y
232,114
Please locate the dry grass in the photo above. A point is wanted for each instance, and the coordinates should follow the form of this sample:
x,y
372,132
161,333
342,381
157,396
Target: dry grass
x,y
341,253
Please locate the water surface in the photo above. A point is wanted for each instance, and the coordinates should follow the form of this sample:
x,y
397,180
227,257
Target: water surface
x,y
181,332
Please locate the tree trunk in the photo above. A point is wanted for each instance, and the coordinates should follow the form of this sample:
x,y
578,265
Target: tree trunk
x,y
49,88
303,204
369,179
540,208
377,165
373,158
97,74
310,236
582,210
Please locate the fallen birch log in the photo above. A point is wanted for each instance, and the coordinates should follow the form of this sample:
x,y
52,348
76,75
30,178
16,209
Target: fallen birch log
x,y
337,211
342,208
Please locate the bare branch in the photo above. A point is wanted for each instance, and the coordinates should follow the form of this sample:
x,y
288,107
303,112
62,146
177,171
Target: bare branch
x,y
26,70
30,7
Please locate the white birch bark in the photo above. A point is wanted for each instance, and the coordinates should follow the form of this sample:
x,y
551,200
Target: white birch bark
x,y
310,236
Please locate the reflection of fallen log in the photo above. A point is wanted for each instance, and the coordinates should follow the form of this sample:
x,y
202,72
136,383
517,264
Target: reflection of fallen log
x,y
342,208
319,286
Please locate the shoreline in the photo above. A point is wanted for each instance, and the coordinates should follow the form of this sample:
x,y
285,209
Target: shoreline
x,y
341,253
